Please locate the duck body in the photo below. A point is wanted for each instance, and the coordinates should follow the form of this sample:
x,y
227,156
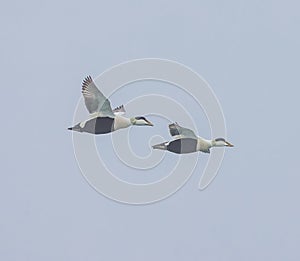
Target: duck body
x,y
185,141
99,125
102,125
184,146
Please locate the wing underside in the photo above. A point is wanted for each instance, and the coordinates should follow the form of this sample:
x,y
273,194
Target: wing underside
x,y
94,100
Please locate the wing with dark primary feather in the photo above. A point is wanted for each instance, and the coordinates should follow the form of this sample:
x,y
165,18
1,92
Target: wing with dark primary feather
x,y
119,110
178,132
94,100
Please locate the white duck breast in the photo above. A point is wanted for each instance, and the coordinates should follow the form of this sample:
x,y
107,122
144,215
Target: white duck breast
x,y
121,122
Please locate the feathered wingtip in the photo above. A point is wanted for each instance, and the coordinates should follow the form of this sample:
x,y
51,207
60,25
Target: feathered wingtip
x,y
87,80
174,124
119,110
174,129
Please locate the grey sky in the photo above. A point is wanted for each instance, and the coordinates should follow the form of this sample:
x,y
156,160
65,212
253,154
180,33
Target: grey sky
x,y
248,51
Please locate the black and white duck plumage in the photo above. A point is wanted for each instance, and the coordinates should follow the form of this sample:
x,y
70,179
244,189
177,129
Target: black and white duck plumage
x,y
185,141
103,119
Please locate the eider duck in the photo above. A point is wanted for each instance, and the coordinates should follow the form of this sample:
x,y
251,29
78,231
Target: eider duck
x,y
102,118
185,141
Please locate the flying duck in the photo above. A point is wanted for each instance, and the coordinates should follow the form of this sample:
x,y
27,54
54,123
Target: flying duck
x,y
102,118
185,141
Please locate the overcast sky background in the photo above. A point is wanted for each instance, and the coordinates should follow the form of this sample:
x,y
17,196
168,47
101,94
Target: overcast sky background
x,y
248,51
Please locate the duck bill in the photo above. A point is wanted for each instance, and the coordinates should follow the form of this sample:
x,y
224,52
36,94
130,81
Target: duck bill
x,y
150,123
228,144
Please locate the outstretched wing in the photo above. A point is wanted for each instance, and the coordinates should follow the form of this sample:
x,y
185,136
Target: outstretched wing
x,y
119,110
94,100
180,132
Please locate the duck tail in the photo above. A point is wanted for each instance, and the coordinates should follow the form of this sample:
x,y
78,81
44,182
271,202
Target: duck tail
x,y
161,146
75,128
